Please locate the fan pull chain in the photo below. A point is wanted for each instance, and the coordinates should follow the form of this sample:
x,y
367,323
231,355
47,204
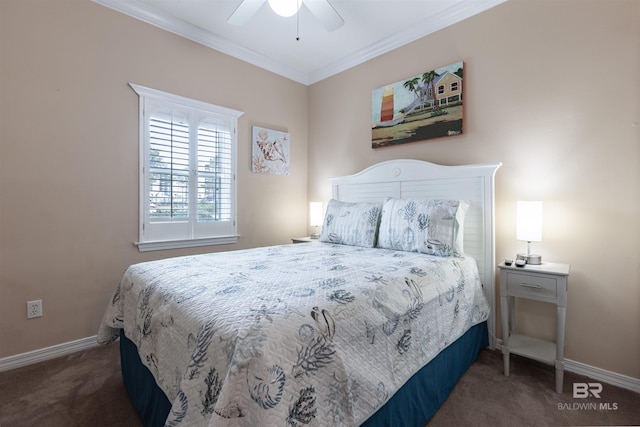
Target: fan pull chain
x,y
298,24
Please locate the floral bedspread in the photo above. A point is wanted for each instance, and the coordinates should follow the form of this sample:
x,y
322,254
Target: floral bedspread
x,y
313,334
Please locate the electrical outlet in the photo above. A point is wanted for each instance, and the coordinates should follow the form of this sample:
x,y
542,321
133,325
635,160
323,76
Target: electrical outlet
x,y
34,309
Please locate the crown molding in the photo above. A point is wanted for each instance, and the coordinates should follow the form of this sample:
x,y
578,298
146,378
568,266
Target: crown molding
x,y
189,31
456,13
443,19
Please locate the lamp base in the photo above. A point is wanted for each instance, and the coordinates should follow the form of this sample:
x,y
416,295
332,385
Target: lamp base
x,y
531,259
315,236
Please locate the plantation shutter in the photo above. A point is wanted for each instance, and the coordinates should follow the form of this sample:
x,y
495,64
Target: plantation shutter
x,y
188,190
215,159
166,173
168,167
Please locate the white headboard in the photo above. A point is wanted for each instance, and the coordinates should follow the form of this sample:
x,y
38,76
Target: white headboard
x,y
407,178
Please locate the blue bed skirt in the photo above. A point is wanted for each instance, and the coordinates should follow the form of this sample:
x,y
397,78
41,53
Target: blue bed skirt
x,y
413,405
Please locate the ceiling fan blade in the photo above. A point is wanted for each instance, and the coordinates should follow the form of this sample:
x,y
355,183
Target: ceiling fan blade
x,y
325,13
244,12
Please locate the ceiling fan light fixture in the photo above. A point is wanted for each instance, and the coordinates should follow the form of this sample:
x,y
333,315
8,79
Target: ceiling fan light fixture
x,y
285,8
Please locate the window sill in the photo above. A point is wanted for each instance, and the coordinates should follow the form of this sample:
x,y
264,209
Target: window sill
x,y
189,243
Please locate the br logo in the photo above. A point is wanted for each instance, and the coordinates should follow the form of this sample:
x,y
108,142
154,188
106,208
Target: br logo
x,y
584,390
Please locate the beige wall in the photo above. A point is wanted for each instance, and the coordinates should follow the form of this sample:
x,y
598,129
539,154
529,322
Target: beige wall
x,y
69,156
552,91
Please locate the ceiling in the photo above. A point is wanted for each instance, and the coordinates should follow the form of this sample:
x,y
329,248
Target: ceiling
x,y
371,28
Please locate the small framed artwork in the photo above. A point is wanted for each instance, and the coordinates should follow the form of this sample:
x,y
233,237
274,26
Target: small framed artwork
x,y
418,108
270,151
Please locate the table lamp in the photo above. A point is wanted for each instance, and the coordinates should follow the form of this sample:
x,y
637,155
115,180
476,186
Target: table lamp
x,y
529,228
315,217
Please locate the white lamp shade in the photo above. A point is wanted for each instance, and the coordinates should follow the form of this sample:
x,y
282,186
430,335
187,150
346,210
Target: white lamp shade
x,y
529,221
315,214
285,8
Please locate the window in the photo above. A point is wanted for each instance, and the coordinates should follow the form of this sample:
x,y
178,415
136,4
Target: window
x,y
187,172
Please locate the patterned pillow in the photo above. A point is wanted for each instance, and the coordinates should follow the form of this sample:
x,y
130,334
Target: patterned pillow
x,y
354,224
432,227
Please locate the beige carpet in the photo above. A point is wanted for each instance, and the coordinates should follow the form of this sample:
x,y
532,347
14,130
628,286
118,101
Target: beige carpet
x,y
85,389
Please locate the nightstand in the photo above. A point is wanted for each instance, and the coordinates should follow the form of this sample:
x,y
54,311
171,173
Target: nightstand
x,y
303,240
546,282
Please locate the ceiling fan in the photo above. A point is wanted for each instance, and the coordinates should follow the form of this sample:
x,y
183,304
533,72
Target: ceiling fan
x,y
321,9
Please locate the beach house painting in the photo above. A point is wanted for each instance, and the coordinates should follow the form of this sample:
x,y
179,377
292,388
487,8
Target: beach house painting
x,y
418,108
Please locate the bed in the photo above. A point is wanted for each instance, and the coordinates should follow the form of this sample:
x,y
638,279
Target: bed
x,y
372,325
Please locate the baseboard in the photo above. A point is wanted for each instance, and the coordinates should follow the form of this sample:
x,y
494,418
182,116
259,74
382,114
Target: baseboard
x,y
603,375
599,374
31,357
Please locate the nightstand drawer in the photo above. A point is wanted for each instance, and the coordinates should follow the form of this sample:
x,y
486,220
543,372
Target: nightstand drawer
x,y
538,287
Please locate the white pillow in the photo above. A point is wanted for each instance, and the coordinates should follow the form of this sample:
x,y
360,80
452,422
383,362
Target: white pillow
x,y
430,226
354,224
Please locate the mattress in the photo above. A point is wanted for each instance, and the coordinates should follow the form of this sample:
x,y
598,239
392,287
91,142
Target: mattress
x,y
314,334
